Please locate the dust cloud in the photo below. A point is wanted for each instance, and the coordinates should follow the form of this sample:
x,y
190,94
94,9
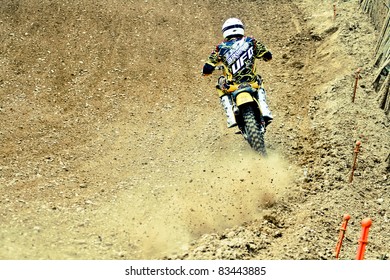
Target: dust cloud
x,y
162,217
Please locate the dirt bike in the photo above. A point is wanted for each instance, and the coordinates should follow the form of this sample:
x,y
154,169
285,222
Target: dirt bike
x,y
246,108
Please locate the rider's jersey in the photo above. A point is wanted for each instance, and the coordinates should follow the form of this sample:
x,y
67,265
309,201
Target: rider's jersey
x,y
238,55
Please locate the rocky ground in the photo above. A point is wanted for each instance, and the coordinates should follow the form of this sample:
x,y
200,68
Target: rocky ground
x,y
114,147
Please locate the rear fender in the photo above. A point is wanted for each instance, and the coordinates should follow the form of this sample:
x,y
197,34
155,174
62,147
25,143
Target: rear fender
x,y
243,98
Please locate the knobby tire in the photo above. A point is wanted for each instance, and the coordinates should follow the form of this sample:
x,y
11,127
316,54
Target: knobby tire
x,y
255,135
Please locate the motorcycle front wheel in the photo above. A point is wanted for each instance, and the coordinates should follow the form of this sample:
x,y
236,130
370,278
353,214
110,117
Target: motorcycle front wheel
x,y
253,130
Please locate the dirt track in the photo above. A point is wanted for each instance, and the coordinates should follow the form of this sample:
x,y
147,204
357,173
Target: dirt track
x,y
114,147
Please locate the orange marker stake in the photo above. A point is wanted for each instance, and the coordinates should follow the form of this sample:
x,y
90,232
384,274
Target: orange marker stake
x,y
356,151
366,223
357,77
334,11
343,229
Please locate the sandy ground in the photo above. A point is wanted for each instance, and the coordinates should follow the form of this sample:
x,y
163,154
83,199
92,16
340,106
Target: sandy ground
x,y
114,147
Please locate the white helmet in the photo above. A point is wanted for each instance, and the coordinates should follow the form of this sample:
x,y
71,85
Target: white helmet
x,y
231,27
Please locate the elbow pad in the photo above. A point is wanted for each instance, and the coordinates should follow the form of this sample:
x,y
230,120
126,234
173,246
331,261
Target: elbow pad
x,y
208,69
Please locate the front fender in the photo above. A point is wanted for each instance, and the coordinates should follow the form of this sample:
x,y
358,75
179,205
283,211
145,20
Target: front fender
x,y
244,97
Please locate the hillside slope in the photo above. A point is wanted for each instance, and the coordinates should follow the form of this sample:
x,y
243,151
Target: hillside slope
x,y
114,147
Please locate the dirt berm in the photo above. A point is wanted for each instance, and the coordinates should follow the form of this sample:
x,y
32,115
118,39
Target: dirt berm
x,y
113,146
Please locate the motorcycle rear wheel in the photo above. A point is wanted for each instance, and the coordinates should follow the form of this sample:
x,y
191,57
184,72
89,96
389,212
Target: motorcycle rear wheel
x,y
254,131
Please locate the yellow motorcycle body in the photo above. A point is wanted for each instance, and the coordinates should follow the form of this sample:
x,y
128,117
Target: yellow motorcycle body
x,y
247,112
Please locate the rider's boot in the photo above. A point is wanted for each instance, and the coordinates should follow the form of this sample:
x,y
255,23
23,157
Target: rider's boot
x,y
266,112
227,105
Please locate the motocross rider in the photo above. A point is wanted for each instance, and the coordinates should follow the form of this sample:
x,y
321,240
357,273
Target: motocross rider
x,y
238,53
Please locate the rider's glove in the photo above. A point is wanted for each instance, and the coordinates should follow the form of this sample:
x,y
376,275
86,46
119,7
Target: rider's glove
x,y
267,56
208,69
